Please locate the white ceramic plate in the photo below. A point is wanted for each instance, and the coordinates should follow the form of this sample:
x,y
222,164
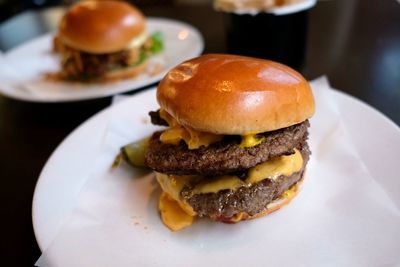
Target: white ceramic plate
x,y
21,69
67,169
228,6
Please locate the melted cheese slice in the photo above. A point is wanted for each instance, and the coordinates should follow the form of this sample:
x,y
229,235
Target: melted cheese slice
x,y
272,169
215,185
177,214
173,185
250,140
173,216
195,139
139,40
176,133
238,217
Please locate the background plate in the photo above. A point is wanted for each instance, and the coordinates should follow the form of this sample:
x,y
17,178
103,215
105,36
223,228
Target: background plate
x,y
22,68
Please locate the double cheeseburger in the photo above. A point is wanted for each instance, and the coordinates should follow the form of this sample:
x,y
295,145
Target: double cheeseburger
x,y
104,40
236,143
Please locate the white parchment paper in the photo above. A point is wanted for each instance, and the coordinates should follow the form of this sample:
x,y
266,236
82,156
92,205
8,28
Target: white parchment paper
x,y
342,217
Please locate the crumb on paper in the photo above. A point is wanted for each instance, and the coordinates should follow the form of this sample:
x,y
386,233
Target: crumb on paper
x,y
145,120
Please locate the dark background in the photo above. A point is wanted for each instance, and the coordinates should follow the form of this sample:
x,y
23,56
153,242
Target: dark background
x,y
356,43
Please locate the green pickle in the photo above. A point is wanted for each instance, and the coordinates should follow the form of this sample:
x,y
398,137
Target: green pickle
x,y
133,153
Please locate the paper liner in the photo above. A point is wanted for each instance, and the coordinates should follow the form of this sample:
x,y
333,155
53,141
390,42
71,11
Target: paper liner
x,y
344,215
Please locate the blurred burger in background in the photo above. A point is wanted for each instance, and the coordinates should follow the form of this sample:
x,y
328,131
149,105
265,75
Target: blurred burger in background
x,y
104,40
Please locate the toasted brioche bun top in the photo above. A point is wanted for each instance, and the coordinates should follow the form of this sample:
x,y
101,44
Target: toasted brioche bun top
x,y
227,94
101,26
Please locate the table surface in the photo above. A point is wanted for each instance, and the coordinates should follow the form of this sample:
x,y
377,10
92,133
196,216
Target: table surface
x,y
355,43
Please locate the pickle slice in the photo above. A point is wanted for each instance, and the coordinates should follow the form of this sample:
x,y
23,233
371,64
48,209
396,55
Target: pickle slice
x,y
133,153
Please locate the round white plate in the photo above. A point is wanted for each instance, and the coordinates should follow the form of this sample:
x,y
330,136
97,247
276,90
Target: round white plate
x,y
278,10
22,69
69,166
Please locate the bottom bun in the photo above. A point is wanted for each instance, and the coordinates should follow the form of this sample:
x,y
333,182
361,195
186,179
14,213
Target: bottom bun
x,y
125,73
275,205
120,74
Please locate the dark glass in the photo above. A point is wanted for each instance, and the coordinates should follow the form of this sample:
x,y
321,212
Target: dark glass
x,y
279,38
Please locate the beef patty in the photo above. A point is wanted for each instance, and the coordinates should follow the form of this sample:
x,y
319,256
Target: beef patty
x,y
81,64
223,205
225,156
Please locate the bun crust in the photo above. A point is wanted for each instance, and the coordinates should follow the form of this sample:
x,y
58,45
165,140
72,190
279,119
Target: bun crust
x,y
227,94
101,26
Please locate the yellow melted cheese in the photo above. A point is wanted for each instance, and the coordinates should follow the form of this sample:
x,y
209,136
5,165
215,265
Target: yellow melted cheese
x,y
176,218
291,192
217,184
173,216
272,169
238,217
176,133
177,214
195,139
173,185
283,165
139,40
250,140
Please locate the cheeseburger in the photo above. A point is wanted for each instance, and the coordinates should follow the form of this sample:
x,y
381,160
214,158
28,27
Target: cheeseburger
x,y
103,40
236,143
